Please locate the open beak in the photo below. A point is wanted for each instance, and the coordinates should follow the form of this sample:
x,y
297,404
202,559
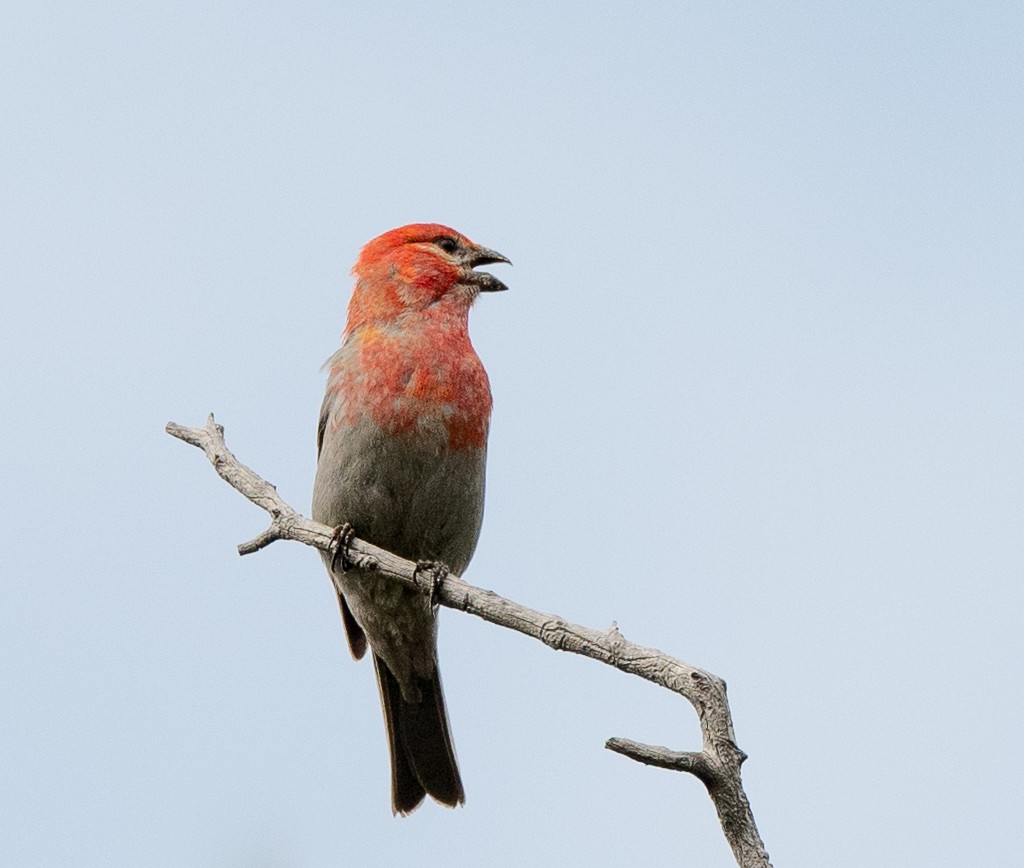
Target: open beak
x,y
486,282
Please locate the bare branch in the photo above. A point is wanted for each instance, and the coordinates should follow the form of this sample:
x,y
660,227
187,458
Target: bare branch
x,y
694,762
718,762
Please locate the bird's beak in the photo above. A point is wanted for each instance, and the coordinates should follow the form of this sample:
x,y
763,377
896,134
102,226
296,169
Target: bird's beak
x,y
482,256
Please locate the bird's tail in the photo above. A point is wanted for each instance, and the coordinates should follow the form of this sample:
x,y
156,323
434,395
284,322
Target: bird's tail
x,y
422,754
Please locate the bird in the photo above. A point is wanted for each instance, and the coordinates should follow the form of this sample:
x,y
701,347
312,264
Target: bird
x,y
401,455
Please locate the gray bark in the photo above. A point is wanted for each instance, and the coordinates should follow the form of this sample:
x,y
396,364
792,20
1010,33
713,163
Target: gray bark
x,y
716,764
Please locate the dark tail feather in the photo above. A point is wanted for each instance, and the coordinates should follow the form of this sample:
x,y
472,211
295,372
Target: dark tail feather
x,y
422,756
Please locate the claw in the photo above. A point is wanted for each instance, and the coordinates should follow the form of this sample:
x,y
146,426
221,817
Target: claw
x,y
340,540
439,571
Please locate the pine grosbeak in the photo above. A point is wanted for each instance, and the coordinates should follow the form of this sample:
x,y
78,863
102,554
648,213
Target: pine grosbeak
x,y
402,444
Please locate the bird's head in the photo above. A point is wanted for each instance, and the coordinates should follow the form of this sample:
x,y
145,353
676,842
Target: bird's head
x,y
415,267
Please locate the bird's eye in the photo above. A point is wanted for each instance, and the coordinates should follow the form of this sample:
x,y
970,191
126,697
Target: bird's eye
x,y
447,244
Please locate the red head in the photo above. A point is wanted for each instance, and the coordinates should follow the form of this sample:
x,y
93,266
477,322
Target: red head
x,y
415,267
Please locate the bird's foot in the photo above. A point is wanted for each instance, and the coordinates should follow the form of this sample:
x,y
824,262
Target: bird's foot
x,y
343,534
438,572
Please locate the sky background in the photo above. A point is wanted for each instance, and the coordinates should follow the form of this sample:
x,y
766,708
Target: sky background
x,y
759,398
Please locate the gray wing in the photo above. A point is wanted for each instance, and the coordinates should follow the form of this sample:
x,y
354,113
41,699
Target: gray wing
x,y
353,632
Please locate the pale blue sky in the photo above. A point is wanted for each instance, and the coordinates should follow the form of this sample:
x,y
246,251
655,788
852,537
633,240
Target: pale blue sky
x,y
764,332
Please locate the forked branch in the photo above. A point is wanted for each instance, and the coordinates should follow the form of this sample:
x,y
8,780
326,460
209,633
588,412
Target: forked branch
x,y
716,764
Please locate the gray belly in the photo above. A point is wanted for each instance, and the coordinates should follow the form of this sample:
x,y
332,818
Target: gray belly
x,y
418,500
409,494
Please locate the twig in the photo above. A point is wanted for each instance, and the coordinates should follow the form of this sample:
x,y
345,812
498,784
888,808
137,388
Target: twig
x,y
718,762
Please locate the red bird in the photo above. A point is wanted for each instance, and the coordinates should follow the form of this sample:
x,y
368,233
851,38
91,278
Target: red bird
x,y
402,445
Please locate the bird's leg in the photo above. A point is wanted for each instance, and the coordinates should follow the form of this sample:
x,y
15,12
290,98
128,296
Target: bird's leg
x,y
439,571
340,540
